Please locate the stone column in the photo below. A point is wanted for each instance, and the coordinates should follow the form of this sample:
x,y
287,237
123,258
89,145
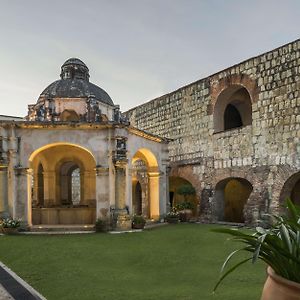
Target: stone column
x,y
129,190
3,192
23,195
154,195
122,217
89,188
50,188
102,193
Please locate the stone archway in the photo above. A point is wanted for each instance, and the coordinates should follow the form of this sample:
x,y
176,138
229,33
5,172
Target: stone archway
x,y
291,189
231,195
175,183
146,173
68,181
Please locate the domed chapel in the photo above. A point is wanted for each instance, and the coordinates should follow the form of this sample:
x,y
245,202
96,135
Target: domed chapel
x,y
75,158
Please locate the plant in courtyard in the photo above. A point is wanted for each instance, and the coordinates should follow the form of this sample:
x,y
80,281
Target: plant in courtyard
x,y
184,205
138,219
138,222
185,208
101,225
186,190
278,246
10,223
172,216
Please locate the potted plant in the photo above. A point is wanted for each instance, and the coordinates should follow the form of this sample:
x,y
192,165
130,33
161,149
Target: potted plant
x,y
172,216
101,225
185,208
138,222
279,248
9,226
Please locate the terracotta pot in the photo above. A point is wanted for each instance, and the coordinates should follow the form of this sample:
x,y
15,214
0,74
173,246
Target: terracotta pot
x,y
279,288
9,230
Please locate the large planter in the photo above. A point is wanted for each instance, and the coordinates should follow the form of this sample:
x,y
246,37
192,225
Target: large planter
x,y
185,215
173,220
278,288
9,230
138,226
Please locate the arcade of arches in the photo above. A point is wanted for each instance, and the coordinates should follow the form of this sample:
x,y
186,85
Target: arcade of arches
x,y
63,187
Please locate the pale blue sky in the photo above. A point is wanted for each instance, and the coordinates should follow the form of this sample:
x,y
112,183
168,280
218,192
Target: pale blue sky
x,y
135,49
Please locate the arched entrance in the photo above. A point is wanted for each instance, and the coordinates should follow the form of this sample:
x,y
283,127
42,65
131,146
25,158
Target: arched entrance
x,y
291,189
64,185
231,195
145,184
233,109
137,198
176,196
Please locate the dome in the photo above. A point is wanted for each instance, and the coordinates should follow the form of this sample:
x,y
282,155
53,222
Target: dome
x,y
74,83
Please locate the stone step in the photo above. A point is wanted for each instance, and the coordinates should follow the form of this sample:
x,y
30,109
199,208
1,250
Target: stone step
x,y
62,228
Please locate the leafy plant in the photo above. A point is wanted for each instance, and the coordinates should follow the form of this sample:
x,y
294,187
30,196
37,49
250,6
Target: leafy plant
x,y
186,189
138,219
278,246
10,223
184,205
172,214
101,225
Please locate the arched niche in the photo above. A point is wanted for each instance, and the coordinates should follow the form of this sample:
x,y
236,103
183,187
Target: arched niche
x,y
69,115
233,109
175,183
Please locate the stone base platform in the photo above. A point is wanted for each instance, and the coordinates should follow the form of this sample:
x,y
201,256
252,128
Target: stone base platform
x,y
63,228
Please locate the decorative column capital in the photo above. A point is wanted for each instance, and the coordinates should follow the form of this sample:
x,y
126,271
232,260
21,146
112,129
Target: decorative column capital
x,y
101,171
154,174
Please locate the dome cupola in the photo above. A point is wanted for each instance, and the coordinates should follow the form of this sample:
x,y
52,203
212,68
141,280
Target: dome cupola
x,y
74,68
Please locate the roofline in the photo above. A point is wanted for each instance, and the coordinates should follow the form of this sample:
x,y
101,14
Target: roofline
x,y
214,74
11,117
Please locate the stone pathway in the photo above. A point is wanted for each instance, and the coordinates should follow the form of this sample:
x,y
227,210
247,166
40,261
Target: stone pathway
x,y
4,295
14,287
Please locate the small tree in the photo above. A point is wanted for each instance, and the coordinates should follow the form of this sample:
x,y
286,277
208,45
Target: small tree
x,y
186,190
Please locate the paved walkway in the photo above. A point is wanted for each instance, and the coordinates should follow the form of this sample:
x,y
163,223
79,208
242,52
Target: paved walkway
x,y
13,287
4,295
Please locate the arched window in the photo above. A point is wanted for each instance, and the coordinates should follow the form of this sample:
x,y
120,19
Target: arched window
x,y
69,115
233,109
75,175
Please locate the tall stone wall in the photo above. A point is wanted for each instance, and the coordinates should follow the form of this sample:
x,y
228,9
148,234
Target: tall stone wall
x,y
266,152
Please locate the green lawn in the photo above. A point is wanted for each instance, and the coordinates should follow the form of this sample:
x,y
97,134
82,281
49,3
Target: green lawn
x,y
172,262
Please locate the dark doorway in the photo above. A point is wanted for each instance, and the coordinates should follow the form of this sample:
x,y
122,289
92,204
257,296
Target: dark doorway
x,y
232,117
138,199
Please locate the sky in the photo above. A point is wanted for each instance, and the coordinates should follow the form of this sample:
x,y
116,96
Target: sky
x,y
136,50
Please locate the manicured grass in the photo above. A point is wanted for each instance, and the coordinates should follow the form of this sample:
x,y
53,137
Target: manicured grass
x,y
173,262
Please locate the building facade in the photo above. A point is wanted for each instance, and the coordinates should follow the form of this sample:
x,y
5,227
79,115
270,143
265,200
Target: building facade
x,y
75,158
235,136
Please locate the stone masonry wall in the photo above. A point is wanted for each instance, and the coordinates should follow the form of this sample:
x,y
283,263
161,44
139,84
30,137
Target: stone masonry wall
x,y
266,153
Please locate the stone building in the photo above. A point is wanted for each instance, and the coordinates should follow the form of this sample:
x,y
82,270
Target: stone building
x,y
75,158
235,136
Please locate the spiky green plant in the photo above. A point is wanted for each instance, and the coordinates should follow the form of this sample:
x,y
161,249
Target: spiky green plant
x,y
278,246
